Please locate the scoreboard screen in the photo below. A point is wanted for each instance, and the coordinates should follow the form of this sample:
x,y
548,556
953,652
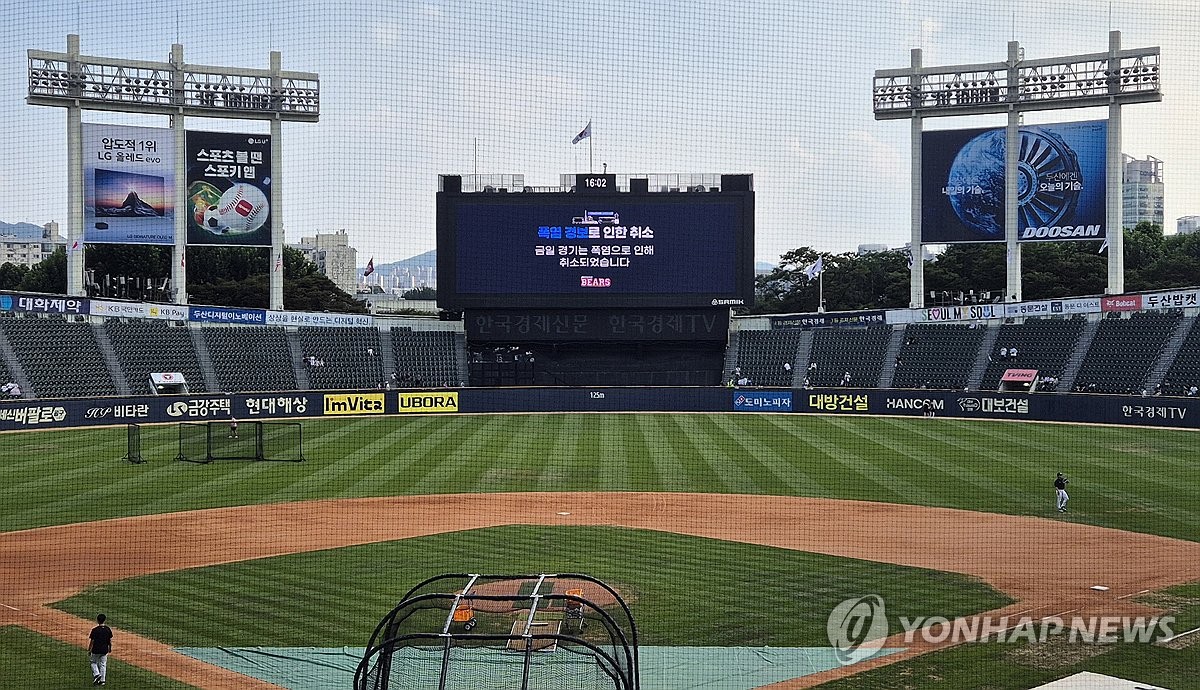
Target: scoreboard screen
x,y
565,249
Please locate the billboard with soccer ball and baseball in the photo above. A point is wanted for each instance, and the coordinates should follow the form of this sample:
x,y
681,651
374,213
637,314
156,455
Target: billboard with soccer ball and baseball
x,y
229,189
1060,183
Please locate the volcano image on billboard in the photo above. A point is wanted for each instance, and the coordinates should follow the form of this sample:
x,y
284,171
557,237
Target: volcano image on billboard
x,y
128,195
1060,184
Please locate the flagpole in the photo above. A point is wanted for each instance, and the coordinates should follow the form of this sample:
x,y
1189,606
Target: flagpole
x,y
591,167
821,291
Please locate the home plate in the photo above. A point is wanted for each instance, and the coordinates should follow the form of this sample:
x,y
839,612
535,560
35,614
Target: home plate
x,y
1098,588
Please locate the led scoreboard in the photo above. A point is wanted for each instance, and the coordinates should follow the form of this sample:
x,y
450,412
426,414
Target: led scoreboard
x,y
595,247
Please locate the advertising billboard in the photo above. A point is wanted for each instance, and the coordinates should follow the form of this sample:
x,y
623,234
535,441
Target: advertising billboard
x,y
229,188
613,250
1060,183
128,184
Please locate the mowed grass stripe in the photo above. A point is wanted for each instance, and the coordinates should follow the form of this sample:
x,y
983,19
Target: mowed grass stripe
x,y
699,461
1139,479
683,590
893,461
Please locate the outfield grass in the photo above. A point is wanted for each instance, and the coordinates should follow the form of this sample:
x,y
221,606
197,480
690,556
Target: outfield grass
x,y
1142,480
29,660
682,590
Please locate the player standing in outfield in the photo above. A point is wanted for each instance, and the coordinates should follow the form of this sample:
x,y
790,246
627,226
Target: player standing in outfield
x,y
233,428
1060,486
99,645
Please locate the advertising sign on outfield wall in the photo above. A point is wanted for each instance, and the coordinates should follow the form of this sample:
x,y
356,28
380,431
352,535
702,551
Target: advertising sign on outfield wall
x,y
39,304
227,315
17,415
138,310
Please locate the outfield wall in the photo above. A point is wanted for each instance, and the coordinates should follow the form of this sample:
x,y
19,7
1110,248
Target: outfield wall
x,y
22,415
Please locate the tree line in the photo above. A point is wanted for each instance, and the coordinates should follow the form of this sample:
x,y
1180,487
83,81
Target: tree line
x,y
1050,270
219,276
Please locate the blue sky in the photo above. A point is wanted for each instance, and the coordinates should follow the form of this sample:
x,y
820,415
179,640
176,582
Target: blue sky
x,y
777,89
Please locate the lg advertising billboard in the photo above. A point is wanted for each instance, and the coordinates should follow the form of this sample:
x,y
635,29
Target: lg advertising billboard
x,y
128,184
229,188
1060,183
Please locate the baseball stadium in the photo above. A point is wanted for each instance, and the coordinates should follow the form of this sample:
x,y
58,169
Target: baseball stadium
x,y
900,390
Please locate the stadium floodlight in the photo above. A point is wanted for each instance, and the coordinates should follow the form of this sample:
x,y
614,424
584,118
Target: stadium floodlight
x,y
1111,79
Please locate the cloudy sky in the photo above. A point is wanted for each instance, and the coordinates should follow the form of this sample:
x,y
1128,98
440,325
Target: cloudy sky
x,y
409,88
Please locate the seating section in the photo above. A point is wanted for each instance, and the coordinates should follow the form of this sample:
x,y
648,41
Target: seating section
x,y
762,354
425,358
1042,344
250,358
344,357
61,358
145,347
857,351
1124,351
937,356
1185,370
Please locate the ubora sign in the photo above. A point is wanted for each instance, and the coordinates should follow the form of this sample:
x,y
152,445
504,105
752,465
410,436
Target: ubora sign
x,y
411,403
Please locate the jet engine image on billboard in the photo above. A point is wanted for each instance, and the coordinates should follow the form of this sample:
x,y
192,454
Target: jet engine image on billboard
x,y
1060,183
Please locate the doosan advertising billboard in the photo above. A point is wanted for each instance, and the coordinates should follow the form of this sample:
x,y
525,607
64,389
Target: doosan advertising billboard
x,y
128,184
1060,183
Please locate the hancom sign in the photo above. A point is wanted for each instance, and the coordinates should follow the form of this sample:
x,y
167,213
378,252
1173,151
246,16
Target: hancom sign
x,y
419,403
1060,184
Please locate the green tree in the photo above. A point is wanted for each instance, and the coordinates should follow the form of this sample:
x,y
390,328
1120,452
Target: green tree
x,y
11,275
48,275
423,292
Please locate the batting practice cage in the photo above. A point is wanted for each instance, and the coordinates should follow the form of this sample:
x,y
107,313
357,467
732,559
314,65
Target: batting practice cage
x,y
209,441
504,632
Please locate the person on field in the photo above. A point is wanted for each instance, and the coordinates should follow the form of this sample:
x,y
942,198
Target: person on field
x,y
99,646
233,423
1060,490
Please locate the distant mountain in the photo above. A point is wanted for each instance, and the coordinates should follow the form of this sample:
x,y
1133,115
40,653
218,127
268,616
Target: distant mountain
x,y
132,207
763,267
25,231
419,262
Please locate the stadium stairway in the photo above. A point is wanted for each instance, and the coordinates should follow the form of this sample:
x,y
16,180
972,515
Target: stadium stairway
x,y
888,371
803,355
13,364
460,351
1071,371
975,380
731,355
1170,350
388,357
204,357
110,359
296,352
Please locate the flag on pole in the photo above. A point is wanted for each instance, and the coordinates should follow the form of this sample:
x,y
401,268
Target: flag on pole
x,y
584,134
1103,246
183,258
370,267
910,258
74,247
278,262
815,269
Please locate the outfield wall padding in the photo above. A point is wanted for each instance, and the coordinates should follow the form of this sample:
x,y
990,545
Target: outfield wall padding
x,y
19,415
